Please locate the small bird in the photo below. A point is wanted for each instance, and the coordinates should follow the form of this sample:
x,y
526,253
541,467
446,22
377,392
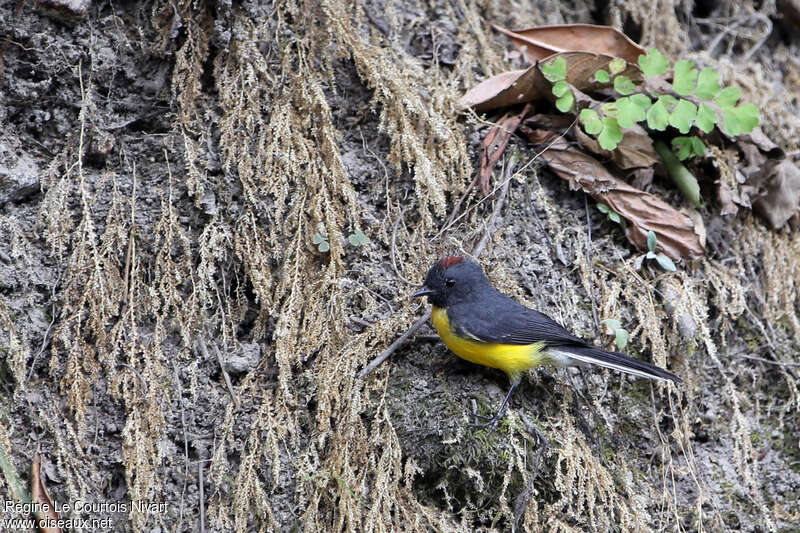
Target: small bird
x,y
486,327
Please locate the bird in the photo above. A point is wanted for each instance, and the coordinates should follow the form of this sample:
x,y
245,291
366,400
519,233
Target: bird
x,y
484,326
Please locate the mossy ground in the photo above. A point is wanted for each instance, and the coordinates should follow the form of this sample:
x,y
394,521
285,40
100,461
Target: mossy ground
x,y
186,155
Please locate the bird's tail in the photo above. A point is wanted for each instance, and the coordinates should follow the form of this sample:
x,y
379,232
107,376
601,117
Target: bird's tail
x,y
617,361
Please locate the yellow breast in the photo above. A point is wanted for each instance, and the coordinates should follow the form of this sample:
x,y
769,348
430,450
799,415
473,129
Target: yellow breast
x,y
513,359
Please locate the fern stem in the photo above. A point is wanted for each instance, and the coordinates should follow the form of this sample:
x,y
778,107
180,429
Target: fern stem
x,y
684,179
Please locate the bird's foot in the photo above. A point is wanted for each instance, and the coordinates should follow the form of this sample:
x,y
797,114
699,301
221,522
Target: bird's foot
x,y
492,423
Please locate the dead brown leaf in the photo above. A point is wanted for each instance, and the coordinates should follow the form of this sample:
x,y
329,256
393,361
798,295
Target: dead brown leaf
x,y
549,121
543,41
507,89
581,67
529,85
781,198
635,150
494,144
675,231
41,498
763,143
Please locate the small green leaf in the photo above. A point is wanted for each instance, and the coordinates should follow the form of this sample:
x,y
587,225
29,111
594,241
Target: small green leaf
x,y
706,118
651,240
651,255
698,148
608,109
624,85
323,246
657,116
642,101
682,147
738,120
728,97
748,116
317,238
684,80
622,338
353,240
617,65
603,208
629,112
683,115
560,88
669,101
602,76
707,84
360,237
591,121
665,262
613,323
564,104
614,217
554,70
611,135
654,63
730,124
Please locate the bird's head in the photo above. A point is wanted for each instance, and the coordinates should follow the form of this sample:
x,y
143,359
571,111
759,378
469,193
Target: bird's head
x,y
451,281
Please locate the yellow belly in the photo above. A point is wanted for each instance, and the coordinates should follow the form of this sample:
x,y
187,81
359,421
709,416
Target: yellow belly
x,y
513,359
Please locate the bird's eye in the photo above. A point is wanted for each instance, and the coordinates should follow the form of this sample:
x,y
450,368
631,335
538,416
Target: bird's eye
x,y
450,282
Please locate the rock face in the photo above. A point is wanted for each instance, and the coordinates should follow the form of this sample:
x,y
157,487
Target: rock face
x,y
218,139
19,174
67,10
242,359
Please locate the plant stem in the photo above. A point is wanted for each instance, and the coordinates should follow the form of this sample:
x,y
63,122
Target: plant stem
x,y
684,179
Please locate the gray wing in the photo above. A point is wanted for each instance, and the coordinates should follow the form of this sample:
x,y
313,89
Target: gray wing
x,y
500,319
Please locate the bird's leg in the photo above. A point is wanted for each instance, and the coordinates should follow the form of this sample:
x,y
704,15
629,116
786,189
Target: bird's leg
x,y
493,422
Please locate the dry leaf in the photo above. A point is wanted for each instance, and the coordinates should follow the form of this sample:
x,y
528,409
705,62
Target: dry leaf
x,y
581,67
549,122
494,144
781,199
507,89
763,142
728,198
522,86
635,150
543,41
41,497
676,234
642,178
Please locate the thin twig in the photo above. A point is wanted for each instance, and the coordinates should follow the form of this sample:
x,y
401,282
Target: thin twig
x,y
524,499
725,31
46,333
394,246
589,259
127,270
497,187
227,377
360,321
201,345
538,219
200,465
185,446
461,201
142,382
498,205
395,345
768,361
760,325
768,23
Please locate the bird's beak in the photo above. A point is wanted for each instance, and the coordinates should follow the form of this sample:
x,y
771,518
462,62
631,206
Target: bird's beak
x,y
424,291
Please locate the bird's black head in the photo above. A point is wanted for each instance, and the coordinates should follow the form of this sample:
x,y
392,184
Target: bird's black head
x,y
451,281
